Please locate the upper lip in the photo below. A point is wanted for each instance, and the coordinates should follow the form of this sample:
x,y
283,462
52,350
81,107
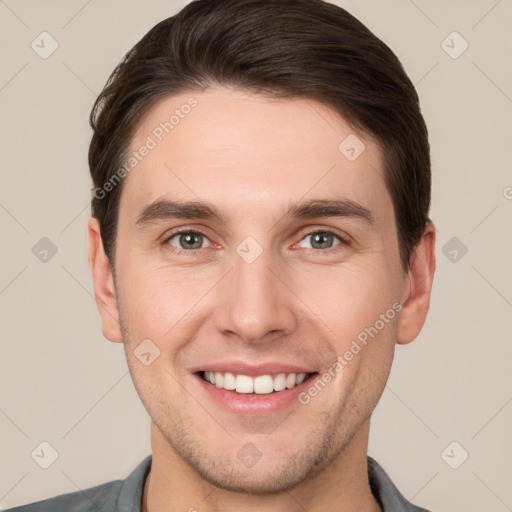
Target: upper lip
x,y
252,370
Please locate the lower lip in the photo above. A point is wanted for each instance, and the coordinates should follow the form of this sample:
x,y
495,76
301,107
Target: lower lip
x,y
251,403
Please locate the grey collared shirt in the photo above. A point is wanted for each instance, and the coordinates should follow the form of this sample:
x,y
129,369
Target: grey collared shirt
x,y
126,495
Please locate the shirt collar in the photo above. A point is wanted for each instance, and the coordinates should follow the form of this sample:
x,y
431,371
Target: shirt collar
x,y
389,497
130,496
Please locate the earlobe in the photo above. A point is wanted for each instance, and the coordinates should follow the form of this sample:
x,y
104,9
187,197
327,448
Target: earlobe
x,y
416,300
103,281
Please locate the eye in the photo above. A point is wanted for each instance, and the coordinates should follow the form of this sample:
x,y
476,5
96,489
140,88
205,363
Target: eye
x,y
187,240
322,240
191,241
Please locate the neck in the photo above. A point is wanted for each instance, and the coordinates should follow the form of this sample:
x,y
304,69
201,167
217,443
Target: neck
x,y
173,485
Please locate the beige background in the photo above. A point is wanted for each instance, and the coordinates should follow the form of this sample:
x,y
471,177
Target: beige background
x,y
63,383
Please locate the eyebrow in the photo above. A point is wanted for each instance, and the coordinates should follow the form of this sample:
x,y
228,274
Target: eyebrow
x,y
166,209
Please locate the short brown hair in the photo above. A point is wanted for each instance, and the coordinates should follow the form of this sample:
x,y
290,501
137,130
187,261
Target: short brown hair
x,y
284,48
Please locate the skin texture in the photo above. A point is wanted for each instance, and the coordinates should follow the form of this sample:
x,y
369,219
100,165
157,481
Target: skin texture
x,y
252,157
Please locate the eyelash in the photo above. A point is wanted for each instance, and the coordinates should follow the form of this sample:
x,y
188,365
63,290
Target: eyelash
x,y
343,241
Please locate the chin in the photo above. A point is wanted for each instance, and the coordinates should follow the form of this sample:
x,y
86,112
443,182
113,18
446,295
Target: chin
x,y
263,479
268,472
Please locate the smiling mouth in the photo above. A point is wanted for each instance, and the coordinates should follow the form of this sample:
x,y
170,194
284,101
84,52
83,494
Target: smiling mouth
x,y
259,385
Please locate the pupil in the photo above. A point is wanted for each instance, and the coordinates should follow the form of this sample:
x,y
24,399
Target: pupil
x,y
322,239
188,238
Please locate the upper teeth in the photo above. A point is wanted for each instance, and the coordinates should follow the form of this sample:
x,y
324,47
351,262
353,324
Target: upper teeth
x,y
261,385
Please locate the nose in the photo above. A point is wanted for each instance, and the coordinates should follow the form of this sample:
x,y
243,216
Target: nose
x,y
255,304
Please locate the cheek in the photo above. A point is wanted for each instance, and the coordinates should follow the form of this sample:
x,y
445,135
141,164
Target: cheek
x,y
154,300
348,299
161,302
356,305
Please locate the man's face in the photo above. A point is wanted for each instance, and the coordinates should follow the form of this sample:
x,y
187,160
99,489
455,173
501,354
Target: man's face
x,y
263,291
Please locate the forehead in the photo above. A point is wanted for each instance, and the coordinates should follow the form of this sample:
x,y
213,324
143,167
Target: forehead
x,y
251,153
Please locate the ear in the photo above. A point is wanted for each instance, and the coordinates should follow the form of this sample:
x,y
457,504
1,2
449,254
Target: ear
x,y
103,281
417,294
